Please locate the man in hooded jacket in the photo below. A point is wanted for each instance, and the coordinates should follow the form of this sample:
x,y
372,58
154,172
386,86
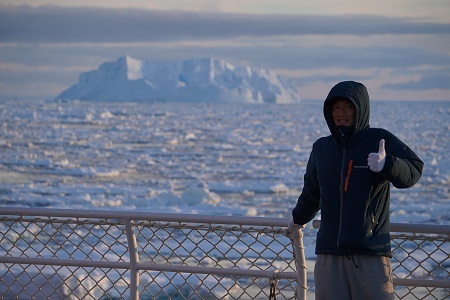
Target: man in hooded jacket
x,y
348,179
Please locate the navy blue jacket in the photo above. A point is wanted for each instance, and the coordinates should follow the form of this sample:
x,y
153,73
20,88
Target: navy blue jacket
x,y
353,200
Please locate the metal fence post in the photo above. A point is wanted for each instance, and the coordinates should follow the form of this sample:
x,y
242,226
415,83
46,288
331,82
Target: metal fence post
x,y
134,260
300,262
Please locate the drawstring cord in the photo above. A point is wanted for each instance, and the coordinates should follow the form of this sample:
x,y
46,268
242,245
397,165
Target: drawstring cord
x,y
350,257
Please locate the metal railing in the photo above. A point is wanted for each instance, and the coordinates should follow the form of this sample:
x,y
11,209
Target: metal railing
x,y
81,254
91,254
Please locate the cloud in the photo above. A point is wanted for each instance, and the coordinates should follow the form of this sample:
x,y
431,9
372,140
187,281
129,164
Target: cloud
x,y
428,80
289,57
280,55
57,24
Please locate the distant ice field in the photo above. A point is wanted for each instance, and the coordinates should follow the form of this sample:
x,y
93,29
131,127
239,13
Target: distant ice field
x,y
233,159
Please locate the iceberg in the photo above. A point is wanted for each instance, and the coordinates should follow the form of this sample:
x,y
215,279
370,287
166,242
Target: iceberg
x,y
195,80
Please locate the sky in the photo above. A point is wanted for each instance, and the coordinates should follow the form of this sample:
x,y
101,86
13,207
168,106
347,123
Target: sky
x,y
399,49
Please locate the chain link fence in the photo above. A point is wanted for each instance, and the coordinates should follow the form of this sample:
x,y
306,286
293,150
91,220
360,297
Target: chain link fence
x,y
421,263
69,254
123,258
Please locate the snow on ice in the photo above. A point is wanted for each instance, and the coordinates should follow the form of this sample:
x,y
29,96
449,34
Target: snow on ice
x,y
239,159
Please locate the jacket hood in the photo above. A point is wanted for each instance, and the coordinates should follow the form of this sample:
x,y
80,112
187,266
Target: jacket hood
x,y
355,92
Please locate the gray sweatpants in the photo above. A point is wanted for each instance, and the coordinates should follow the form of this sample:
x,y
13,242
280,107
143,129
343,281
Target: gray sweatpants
x,y
353,277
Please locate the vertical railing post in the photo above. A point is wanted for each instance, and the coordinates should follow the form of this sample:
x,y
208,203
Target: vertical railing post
x,y
296,235
134,259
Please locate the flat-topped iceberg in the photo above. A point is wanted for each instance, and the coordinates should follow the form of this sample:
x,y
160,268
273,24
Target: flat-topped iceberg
x,y
194,80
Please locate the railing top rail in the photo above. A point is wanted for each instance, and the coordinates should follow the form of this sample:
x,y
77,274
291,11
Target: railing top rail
x,y
143,216
195,218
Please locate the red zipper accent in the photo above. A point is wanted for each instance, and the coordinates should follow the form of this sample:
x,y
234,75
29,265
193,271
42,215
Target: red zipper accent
x,y
349,171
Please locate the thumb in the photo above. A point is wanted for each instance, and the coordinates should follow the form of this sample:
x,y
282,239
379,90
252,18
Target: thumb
x,y
381,148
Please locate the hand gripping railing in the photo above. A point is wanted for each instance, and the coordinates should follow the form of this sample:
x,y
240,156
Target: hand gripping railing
x,y
141,255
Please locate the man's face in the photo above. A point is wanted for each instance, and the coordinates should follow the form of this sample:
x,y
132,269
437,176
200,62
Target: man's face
x,y
343,112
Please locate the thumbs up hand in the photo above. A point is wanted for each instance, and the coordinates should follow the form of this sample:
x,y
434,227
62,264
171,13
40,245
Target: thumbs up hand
x,y
376,160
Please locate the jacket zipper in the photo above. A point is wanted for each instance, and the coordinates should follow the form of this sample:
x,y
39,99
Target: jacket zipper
x,y
349,172
341,196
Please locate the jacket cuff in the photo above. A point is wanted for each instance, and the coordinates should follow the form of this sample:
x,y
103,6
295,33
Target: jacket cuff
x,y
389,161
